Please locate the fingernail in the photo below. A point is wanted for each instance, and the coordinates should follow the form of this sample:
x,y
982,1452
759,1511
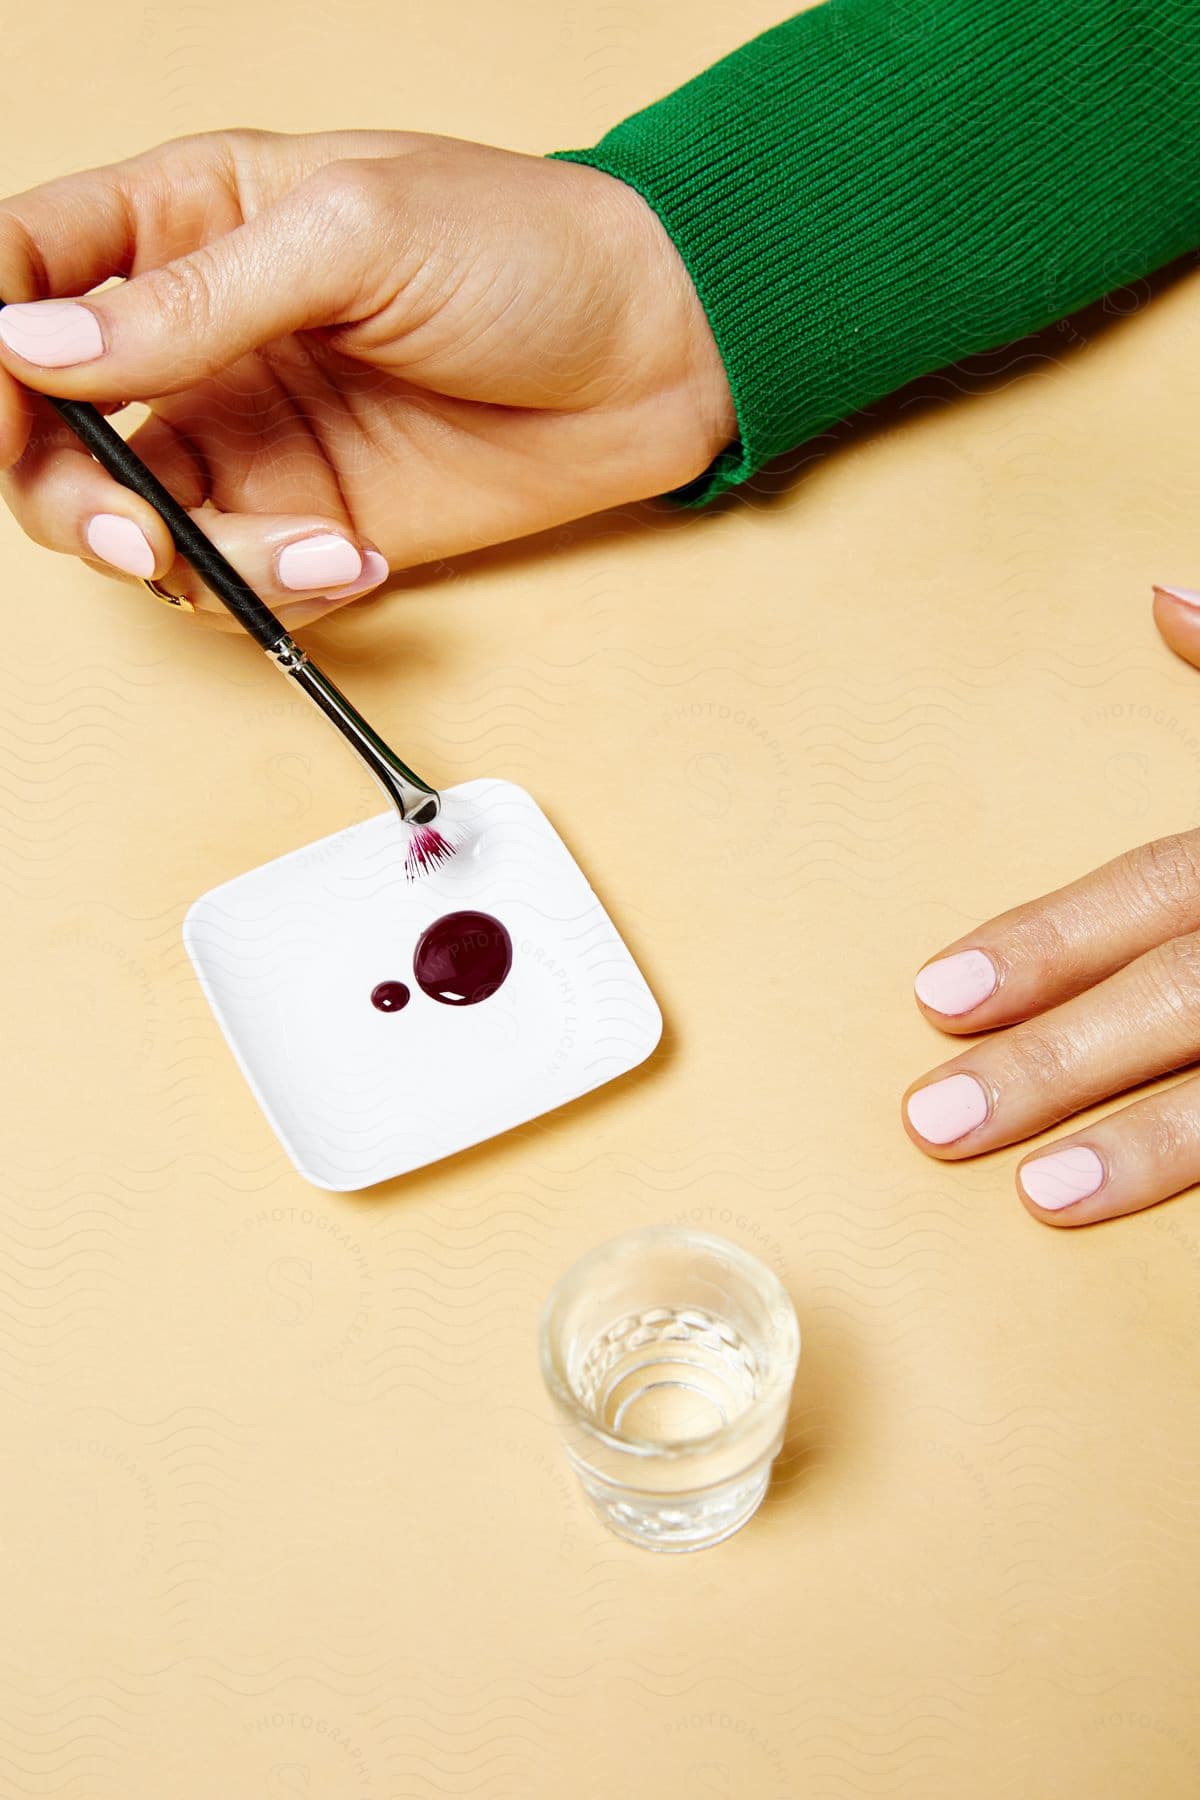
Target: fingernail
x,y
1189,596
946,1110
317,563
117,540
375,569
1059,1180
954,984
53,333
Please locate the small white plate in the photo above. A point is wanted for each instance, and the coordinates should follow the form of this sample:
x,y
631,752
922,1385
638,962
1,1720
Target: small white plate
x,y
289,954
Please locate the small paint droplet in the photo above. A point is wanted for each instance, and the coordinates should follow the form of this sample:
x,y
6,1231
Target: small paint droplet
x,y
390,996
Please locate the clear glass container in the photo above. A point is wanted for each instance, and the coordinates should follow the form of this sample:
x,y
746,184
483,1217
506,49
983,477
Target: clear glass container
x,y
670,1356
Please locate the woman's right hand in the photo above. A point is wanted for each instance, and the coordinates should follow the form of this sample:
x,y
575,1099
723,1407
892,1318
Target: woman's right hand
x,y
361,350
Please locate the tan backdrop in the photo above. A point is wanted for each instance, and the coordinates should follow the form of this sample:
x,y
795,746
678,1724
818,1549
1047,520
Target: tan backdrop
x,y
284,1511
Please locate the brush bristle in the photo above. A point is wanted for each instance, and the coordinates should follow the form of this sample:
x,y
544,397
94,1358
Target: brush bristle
x,y
427,850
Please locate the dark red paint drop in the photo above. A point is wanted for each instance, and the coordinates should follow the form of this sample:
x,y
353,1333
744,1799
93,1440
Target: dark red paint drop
x,y
463,958
390,996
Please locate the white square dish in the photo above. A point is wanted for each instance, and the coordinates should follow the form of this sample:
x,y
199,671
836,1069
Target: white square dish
x,y
289,954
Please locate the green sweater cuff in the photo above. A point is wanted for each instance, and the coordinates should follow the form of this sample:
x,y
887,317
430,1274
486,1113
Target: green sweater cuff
x,y
876,188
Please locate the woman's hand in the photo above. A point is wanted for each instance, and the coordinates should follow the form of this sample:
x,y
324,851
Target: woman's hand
x,y
1096,988
363,349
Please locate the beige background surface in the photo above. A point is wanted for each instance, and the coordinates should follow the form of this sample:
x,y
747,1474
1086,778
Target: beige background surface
x,y
283,1510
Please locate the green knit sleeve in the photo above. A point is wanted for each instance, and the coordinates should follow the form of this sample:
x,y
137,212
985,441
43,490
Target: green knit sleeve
x,y
876,188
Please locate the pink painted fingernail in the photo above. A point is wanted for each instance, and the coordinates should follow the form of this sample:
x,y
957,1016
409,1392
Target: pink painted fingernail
x,y
375,569
954,984
1189,596
1060,1179
117,540
53,333
317,563
946,1110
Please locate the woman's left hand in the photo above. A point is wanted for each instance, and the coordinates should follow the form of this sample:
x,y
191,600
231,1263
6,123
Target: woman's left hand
x,y
1086,992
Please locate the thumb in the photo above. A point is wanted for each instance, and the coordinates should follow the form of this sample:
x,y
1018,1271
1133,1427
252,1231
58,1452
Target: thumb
x,y
298,263
1177,615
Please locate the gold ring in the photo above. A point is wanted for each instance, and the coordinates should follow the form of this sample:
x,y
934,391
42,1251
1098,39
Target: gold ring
x,y
179,600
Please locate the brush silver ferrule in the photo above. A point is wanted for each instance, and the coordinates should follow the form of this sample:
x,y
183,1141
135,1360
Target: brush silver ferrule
x,y
416,802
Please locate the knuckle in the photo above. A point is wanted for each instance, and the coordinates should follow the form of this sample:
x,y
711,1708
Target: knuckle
x,y
1037,1059
1040,942
213,143
1169,1135
1174,969
1165,875
159,168
348,191
182,296
351,205
248,137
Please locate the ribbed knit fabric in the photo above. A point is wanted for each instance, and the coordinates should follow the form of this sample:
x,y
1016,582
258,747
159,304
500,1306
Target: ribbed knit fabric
x,y
876,188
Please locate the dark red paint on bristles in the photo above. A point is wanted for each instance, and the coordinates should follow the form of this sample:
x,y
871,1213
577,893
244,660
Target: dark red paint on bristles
x,y
427,850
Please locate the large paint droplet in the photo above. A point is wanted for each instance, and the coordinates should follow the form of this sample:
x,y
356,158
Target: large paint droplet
x,y
462,958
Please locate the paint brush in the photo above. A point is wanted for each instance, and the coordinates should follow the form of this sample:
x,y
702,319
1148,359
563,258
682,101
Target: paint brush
x,y
417,803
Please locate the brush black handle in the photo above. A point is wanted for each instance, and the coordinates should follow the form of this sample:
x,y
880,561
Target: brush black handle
x,y
126,466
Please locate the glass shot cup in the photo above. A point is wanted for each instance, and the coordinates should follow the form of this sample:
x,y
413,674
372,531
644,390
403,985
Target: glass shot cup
x,y
670,1356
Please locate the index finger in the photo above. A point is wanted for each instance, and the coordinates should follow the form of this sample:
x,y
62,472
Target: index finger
x,y
68,235
1036,955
